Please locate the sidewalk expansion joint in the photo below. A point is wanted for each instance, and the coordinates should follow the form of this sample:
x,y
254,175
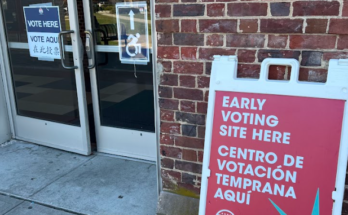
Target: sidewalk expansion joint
x,y
37,202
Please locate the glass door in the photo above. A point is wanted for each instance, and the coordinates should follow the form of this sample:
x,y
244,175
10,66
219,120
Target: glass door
x,y
122,92
48,100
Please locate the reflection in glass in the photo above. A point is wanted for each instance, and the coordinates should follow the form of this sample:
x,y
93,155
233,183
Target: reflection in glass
x,y
125,90
14,17
125,101
43,89
105,22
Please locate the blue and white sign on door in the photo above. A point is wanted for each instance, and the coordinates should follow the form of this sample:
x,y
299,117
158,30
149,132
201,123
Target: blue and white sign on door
x,y
133,35
43,26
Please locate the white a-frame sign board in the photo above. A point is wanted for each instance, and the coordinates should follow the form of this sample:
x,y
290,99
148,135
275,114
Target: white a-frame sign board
x,y
275,147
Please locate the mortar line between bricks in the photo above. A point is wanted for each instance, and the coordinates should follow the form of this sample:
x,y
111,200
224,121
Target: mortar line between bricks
x,y
37,202
181,147
196,162
248,17
251,1
250,48
340,12
183,171
180,170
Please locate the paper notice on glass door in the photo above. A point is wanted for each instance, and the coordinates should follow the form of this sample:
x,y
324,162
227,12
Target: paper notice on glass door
x,y
133,33
43,27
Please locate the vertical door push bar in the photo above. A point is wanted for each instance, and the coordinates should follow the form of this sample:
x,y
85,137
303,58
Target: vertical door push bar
x,y
61,47
90,50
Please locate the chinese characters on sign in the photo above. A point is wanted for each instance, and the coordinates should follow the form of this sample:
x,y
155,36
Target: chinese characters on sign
x,y
273,154
43,27
132,28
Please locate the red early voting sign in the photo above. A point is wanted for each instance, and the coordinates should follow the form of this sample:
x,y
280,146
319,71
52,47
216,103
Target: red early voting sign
x,y
274,154
274,148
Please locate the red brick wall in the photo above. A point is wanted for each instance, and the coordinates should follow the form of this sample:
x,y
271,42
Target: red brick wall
x,y
189,33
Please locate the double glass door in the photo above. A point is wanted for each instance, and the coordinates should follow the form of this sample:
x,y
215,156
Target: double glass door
x,y
94,96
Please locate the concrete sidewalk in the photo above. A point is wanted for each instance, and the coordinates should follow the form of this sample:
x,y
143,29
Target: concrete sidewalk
x,y
13,206
40,180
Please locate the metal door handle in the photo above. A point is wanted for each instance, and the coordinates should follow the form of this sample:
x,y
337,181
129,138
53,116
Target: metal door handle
x,y
61,47
90,49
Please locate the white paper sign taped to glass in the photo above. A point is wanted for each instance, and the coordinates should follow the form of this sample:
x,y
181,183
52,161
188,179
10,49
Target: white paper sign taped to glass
x,y
43,26
132,29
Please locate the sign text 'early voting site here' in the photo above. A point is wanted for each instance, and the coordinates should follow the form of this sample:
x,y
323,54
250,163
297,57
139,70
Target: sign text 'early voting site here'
x,y
271,154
